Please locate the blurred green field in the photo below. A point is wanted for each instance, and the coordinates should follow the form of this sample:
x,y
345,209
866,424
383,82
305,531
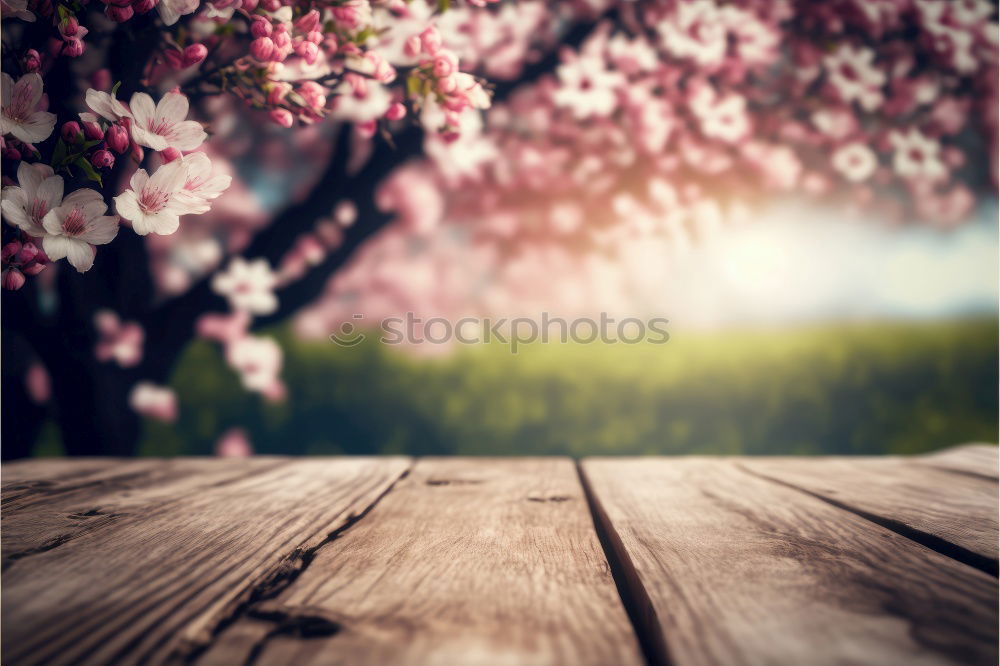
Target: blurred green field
x,y
874,388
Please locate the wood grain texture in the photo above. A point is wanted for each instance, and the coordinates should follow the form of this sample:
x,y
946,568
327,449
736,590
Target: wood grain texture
x,y
956,514
736,569
189,542
975,459
466,561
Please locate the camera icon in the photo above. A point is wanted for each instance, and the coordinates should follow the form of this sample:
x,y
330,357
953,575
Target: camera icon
x,y
348,336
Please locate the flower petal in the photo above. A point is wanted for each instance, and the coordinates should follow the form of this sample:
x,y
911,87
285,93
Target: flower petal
x,y
173,107
127,205
37,128
187,135
100,230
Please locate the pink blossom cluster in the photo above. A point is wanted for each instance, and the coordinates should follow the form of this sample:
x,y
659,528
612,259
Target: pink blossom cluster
x,y
668,124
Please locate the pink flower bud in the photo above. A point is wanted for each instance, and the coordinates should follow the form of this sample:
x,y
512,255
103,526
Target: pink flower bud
x,y
308,51
367,128
73,48
35,267
396,112
119,3
117,138
13,279
262,48
10,250
169,154
118,14
144,6
430,39
32,61
71,132
194,54
137,152
249,5
281,117
11,153
443,66
93,131
308,21
27,253
102,159
261,27
69,26
413,46
346,16
279,90
174,58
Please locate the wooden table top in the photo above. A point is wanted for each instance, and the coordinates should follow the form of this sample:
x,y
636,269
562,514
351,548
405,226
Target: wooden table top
x,y
392,560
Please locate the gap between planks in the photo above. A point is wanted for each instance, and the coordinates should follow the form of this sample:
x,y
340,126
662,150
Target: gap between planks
x,y
271,586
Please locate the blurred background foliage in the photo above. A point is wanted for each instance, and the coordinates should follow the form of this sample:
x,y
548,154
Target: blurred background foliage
x,y
842,389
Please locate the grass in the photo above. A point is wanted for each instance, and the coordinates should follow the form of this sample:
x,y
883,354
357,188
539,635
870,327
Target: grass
x,y
874,388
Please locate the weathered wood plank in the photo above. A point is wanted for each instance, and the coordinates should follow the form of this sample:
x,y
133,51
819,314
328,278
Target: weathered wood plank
x,y
956,514
57,506
466,561
190,543
738,569
975,459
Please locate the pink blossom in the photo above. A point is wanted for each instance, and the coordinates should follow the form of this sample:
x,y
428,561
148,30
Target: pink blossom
x,y
234,443
156,402
119,342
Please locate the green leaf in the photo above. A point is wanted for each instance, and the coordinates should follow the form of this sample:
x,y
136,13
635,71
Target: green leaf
x,y
412,86
114,90
59,154
89,170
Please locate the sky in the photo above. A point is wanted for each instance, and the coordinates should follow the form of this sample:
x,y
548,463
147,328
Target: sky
x,y
795,264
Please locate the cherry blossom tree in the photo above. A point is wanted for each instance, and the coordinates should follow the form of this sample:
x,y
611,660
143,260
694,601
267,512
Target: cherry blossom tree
x,y
177,168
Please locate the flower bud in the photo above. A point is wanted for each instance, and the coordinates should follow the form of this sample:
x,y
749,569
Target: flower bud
x,y
443,66
35,267
118,14
271,5
308,51
10,250
262,49
396,112
281,117
144,6
307,22
73,48
11,153
430,39
169,154
413,46
194,54
71,132
93,131
174,58
69,26
12,279
249,5
32,61
261,27
117,139
27,253
102,159
137,152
